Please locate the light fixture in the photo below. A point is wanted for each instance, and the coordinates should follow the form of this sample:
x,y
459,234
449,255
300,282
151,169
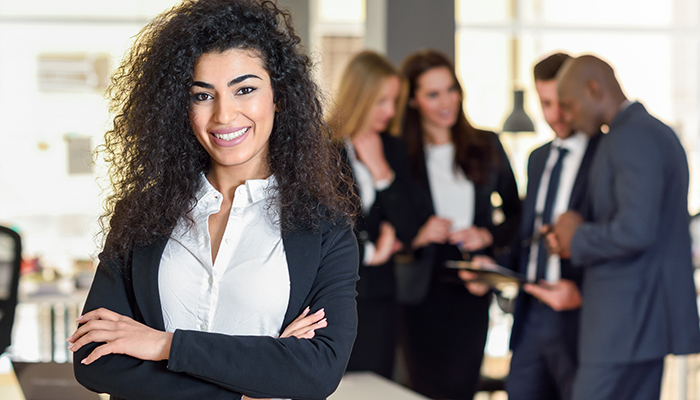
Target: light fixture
x,y
518,120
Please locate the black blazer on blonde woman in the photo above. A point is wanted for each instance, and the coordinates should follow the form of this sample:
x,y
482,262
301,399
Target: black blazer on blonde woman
x,y
375,345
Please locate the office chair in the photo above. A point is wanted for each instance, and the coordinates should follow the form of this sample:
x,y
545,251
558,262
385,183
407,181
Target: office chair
x,y
10,260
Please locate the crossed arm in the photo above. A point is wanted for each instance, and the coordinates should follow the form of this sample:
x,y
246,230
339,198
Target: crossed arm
x,y
217,366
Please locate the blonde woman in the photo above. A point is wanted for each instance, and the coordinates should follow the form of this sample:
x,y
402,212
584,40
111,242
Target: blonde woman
x,y
365,110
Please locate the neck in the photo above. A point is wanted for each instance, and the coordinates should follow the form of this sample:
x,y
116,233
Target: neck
x,y
613,108
362,133
226,179
436,136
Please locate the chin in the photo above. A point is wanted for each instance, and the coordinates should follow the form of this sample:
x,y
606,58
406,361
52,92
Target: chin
x,y
564,133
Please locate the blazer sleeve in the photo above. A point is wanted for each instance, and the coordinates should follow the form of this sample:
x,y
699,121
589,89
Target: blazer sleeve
x,y
505,233
210,365
395,201
637,190
128,377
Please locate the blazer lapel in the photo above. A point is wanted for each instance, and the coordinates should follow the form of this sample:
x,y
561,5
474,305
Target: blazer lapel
x,y
144,273
578,194
535,171
303,250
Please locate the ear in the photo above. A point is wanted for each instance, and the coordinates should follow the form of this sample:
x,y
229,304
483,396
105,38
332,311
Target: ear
x,y
594,89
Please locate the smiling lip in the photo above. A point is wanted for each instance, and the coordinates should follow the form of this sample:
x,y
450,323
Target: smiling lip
x,y
229,137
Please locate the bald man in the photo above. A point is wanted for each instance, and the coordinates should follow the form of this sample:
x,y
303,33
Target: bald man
x,y
639,300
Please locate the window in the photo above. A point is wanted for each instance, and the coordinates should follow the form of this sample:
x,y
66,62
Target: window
x,y
653,45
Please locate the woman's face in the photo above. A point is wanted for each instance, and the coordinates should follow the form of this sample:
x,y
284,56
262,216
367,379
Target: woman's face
x,y
437,98
384,108
232,110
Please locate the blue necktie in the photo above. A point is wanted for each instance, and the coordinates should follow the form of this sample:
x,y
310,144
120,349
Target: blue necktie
x,y
552,189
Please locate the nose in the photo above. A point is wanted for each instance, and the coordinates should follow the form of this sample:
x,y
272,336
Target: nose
x,y
565,117
391,110
226,110
561,113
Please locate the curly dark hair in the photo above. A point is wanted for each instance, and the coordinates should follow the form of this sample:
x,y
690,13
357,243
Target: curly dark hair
x,y
156,162
474,150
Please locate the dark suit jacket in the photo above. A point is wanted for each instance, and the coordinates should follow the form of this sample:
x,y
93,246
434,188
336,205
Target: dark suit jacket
x,y
639,297
202,365
393,205
500,180
520,252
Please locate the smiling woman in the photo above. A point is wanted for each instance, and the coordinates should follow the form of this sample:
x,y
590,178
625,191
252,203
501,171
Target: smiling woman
x,y
233,111
229,240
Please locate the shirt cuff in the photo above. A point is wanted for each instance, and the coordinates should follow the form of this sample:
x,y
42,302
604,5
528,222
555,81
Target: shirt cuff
x,y
370,249
384,183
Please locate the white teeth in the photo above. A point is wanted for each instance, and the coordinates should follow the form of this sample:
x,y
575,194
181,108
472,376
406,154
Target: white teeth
x,y
232,135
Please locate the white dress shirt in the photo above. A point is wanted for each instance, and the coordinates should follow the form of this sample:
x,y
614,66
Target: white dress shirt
x,y
452,193
368,192
245,291
576,145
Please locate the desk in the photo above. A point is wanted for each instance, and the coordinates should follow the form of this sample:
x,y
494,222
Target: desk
x,y
370,386
355,385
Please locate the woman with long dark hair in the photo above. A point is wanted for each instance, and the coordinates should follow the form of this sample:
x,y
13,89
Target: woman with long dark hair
x,y
362,119
456,170
228,238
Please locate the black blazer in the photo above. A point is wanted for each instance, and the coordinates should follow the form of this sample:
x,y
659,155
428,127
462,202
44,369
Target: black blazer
x,y
202,365
500,180
639,296
520,251
393,205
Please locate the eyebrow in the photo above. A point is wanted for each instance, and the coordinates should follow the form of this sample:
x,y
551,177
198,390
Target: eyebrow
x,y
231,83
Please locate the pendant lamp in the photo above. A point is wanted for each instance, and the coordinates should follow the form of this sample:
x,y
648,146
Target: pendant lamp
x,y
518,120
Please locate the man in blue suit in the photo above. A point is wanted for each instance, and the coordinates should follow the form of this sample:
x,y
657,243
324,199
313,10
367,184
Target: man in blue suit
x,y
544,336
639,296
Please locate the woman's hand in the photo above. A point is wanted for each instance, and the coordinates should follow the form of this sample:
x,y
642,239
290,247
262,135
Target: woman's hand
x,y
471,239
471,278
122,335
369,150
435,230
304,326
386,246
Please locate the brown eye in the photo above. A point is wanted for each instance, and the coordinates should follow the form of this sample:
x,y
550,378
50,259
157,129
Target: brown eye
x,y
246,90
198,97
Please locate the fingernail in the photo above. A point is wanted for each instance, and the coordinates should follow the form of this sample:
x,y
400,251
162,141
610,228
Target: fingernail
x,y
84,361
70,346
322,321
79,318
69,338
319,311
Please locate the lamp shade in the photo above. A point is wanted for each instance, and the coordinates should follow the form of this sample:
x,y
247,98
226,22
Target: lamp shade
x,y
518,120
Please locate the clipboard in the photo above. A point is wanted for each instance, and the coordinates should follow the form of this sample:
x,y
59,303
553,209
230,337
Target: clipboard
x,y
492,274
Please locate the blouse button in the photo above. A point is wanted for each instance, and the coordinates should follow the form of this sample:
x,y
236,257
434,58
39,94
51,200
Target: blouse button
x,y
203,327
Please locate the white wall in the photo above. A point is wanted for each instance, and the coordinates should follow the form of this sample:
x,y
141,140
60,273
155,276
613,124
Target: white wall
x,y
55,212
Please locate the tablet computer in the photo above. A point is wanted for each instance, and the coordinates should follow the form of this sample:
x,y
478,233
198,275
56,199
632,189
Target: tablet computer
x,y
493,274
